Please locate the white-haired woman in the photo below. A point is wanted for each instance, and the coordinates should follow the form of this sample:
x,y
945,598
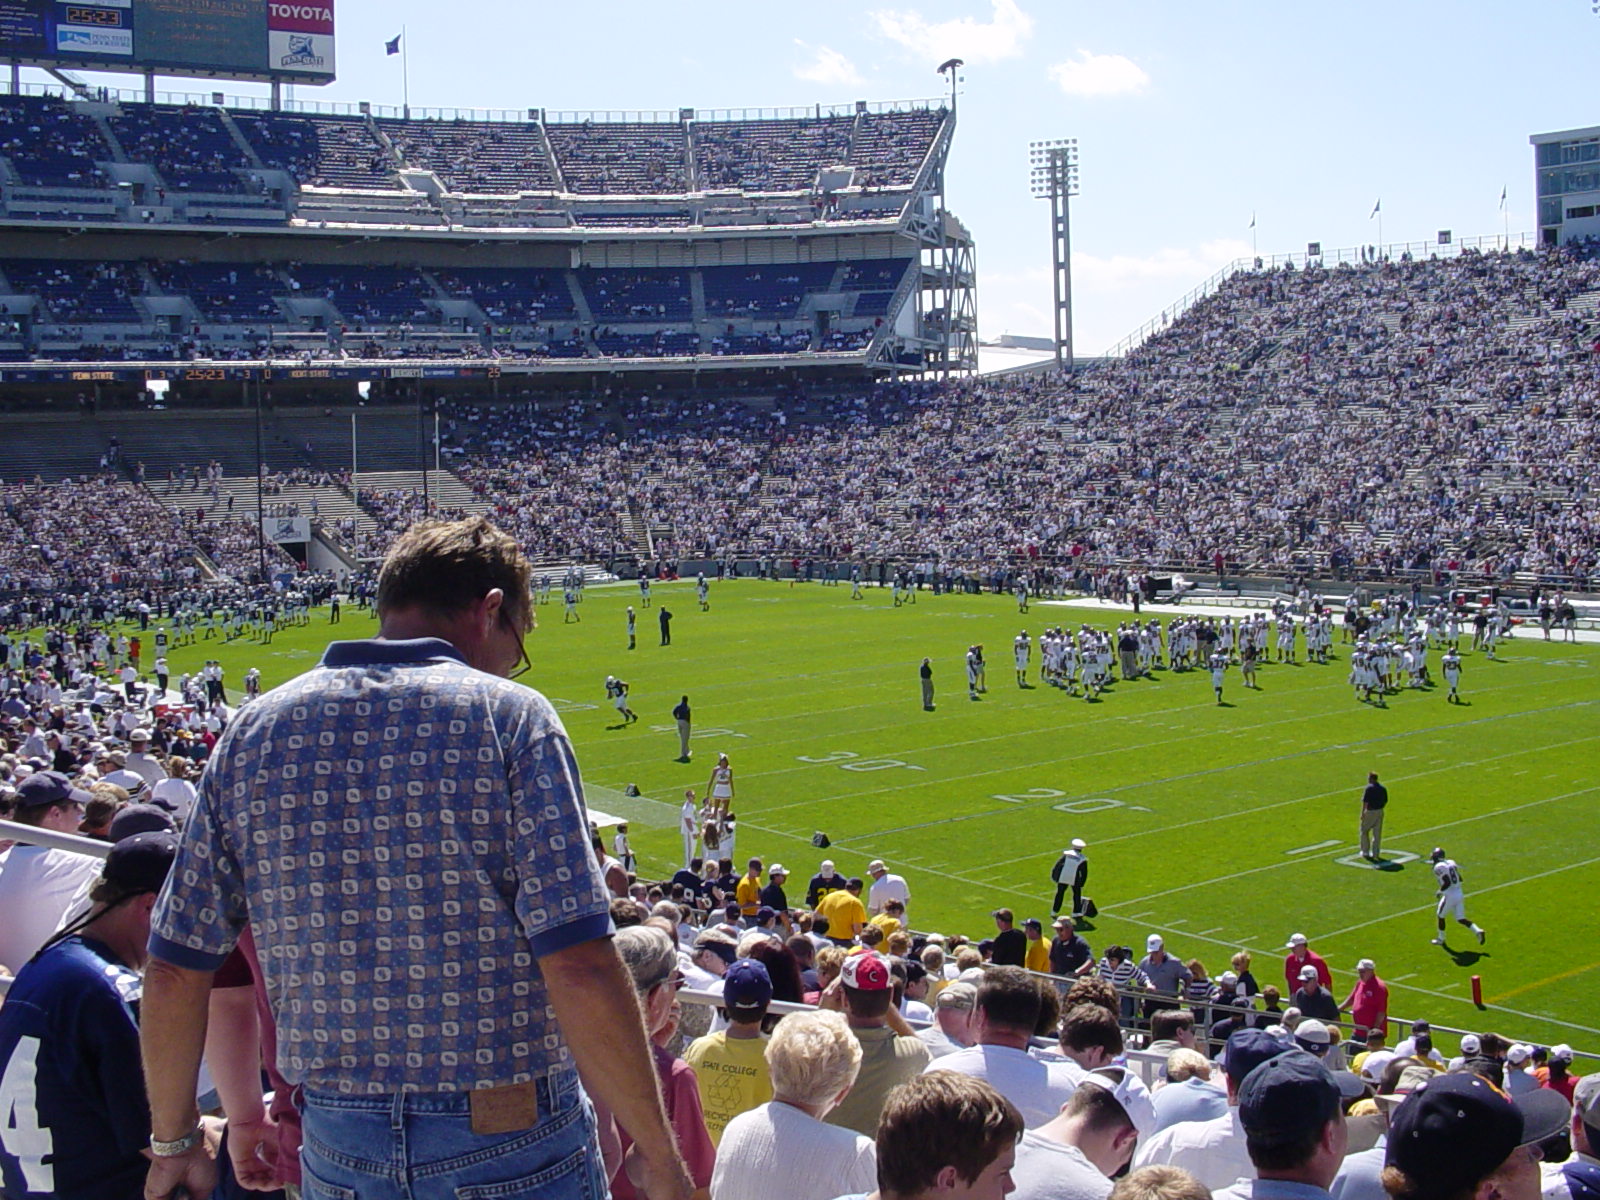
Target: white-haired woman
x,y
783,1150
652,961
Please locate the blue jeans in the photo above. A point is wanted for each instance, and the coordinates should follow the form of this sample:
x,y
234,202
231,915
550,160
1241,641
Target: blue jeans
x,y
420,1146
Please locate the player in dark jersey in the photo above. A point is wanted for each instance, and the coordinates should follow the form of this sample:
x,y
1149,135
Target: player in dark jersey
x,y
74,1122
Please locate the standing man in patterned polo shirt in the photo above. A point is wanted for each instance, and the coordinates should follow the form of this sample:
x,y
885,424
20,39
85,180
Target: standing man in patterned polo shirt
x,y
404,831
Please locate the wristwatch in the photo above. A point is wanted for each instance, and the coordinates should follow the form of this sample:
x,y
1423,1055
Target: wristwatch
x,y
178,1148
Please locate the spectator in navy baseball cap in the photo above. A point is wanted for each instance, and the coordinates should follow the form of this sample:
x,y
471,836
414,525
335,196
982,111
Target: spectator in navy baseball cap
x,y
1247,1049
1292,1110
139,818
1458,1137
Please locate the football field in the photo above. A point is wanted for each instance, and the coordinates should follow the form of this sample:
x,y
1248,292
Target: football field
x,y
1220,827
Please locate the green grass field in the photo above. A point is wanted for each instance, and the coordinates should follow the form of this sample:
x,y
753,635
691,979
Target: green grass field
x,y
1221,827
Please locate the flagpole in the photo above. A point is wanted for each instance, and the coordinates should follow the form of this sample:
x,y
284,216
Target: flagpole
x,y
1255,251
405,70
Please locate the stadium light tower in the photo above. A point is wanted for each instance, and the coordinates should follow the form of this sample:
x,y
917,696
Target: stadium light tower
x,y
952,68
1053,176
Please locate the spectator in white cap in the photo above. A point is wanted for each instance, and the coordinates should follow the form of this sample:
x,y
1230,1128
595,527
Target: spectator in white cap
x,y
1368,1001
1314,1037
1074,1155
824,881
886,886
773,895
1301,956
1166,975
1518,1077
140,760
1313,998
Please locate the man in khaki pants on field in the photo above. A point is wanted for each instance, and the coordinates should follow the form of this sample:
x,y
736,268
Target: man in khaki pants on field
x,y
1373,801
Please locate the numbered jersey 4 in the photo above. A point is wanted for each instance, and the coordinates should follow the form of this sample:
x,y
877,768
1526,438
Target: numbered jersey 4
x,y
73,1116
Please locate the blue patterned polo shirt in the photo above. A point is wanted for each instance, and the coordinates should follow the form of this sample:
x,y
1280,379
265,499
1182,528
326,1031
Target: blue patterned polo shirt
x,y
406,836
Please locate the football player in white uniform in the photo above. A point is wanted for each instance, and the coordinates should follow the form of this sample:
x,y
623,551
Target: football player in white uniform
x,y
617,693
1022,651
1219,668
1450,664
1452,901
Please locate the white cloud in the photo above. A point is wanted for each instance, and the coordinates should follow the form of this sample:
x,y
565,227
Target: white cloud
x,y
976,41
1099,75
827,66
1187,265
1112,295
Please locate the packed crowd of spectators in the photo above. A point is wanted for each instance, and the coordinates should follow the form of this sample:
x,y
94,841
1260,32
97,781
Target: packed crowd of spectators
x,y
193,148
395,312
622,158
476,156
1242,436
775,156
1239,438
99,530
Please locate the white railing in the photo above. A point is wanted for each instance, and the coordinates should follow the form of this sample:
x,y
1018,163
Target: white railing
x,y
351,108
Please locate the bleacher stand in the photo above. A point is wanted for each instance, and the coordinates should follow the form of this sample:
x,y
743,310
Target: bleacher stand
x,y
769,156
636,159
889,148
94,293
335,152
476,156
646,294
770,291
369,295
222,292
511,296
49,144
190,147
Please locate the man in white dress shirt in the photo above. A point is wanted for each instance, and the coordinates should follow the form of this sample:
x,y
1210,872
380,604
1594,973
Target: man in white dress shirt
x,y
1005,1017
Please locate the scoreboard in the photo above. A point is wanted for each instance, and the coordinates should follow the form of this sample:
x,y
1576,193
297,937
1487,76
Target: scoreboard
x,y
291,40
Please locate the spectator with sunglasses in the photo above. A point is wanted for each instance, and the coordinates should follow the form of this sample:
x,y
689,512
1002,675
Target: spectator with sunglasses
x,y
428,841
652,962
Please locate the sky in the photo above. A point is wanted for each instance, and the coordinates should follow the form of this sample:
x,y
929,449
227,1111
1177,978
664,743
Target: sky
x,y
1191,119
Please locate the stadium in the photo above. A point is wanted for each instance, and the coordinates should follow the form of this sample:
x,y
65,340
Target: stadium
x,y
714,375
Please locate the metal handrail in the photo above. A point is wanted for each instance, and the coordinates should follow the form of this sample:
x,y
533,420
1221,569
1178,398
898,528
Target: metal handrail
x,y
50,839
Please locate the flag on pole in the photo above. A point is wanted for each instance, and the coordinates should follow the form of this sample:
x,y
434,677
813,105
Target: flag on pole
x,y
1376,209
1252,220
392,46
1502,199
